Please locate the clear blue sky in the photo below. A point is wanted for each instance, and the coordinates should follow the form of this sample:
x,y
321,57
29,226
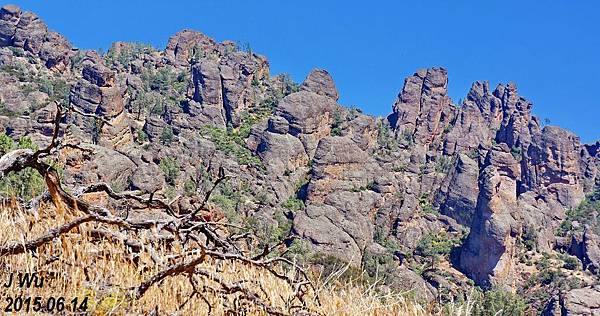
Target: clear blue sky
x,y
550,49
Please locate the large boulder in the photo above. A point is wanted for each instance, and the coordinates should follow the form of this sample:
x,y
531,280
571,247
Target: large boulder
x,y
101,165
98,94
320,82
340,202
281,153
576,302
147,178
309,116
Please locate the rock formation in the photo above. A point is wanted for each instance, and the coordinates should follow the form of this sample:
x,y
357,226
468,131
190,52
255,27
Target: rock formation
x,y
401,191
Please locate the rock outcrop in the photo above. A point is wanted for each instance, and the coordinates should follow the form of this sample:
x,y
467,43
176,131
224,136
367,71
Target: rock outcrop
x,y
186,44
350,184
459,198
309,116
320,82
553,167
487,256
577,302
25,30
97,94
423,107
340,200
225,87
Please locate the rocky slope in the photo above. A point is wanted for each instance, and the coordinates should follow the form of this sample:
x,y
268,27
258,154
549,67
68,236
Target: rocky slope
x,y
438,195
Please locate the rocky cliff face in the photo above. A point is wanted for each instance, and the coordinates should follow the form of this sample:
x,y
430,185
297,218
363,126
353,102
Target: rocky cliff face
x,y
435,193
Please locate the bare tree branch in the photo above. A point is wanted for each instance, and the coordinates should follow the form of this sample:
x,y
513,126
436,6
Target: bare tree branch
x,y
18,248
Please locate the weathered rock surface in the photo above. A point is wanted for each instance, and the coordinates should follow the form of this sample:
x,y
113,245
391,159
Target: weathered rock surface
x,y
281,153
340,203
97,94
365,182
25,30
487,256
103,165
309,117
320,82
577,302
460,197
423,107
185,44
553,167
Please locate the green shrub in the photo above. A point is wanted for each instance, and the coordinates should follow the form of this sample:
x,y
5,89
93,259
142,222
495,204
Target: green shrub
x,y
196,53
267,233
435,246
336,131
377,265
232,143
268,105
56,88
336,124
17,51
141,136
119,185
227,205
288,86
407,137
473,154
164,79
166,137
383,134
17,70
587,213
570,262
299,250
426,206
448,128
444,164
381,237
145,102
500,303
293,204
26,183
529,238
170,168
516,152
262,198
127,53
189,187
4,111
330,264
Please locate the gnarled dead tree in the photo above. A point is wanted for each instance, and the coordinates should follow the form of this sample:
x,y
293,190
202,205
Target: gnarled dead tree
x,y
202,240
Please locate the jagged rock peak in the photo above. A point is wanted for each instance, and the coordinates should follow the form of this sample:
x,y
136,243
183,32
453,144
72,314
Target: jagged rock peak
x,y
98,74
188,42
320,82
25,30
423,107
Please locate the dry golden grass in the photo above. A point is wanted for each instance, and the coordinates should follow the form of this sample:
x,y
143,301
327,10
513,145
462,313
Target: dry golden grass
x,y
78,265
